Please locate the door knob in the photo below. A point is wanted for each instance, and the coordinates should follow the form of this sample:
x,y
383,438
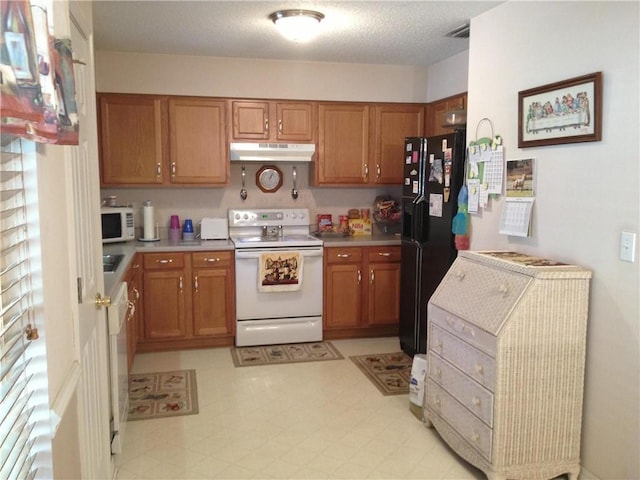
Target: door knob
x,y
102,301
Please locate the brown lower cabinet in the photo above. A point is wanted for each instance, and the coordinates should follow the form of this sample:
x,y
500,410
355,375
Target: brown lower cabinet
x,y
133,277
361,291
189,300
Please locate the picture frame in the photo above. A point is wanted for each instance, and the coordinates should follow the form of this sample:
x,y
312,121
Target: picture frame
x,y
569,111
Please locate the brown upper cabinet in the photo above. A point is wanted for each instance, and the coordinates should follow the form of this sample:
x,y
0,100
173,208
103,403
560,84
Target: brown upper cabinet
x,y
437,111
362,144
160,140
273,120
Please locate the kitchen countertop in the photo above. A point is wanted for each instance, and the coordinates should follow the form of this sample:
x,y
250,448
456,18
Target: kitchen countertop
x,y
129,249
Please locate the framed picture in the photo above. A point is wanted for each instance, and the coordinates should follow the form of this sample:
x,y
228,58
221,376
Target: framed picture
x,y
563,112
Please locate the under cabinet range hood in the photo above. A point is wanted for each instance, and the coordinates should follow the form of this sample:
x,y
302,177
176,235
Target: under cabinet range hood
x,y
272,152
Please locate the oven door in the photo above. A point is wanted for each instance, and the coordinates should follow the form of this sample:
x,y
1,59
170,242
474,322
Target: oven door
x,y
265,318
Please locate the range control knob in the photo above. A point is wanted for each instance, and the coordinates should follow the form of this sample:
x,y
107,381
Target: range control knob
x,y
301,215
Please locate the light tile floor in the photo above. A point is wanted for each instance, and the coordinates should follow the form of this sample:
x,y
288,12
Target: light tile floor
x,y
318,420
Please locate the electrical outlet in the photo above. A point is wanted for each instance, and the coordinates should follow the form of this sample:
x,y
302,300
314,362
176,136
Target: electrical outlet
x,y
628,246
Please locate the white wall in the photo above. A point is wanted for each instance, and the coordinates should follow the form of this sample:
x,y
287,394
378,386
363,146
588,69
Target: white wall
x,y
448,77
586,193
234,77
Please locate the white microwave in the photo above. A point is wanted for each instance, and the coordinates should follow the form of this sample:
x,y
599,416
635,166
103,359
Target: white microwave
x,y
117,224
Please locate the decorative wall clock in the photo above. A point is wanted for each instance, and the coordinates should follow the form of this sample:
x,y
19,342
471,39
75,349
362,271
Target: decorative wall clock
x,y
269,178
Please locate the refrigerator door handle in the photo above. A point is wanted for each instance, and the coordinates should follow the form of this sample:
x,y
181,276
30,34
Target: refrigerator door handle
x,y
421,222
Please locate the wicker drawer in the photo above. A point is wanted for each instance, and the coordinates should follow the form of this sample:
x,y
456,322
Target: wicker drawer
x,y
216,259
471,361
335,255
467,331
480,293
476,433
169,260
473,396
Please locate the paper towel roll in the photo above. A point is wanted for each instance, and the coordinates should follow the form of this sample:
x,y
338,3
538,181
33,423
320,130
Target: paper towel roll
x,y
148,219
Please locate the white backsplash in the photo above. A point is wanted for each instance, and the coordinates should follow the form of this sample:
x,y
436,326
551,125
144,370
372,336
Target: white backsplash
x,y
198,202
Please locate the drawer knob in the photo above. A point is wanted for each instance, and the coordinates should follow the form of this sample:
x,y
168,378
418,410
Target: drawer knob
x,y
475,437
459,275
475,401
165,261
479,369
343,255
212,260
504,289
439,343
438,373
437,401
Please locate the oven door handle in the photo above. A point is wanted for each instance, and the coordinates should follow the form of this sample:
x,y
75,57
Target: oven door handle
x,y
250,253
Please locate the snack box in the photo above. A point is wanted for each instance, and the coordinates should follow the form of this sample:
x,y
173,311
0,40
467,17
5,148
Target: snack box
x,y
360,226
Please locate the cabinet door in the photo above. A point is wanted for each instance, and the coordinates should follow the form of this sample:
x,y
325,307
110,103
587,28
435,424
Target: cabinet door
x,y
437,111
250,120
294,121
132,139
198,141
343,295
384,293
213,293
343,144
392,124
164,304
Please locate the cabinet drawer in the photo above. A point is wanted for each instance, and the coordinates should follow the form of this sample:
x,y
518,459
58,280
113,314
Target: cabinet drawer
x,y
483,293
471,361
212,259
343,255
476,398
463,329
476,433
168,260
383,254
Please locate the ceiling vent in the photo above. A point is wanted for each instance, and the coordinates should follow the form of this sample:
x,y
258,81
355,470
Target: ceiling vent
x,y
459,32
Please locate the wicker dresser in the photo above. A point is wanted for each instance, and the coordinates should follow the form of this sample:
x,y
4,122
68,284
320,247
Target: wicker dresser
x,y
506,353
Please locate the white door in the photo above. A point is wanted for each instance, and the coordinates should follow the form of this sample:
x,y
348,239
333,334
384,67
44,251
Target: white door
x,y
93,387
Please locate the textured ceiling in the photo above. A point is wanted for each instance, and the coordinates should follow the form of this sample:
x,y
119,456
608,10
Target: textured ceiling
x,y
392,32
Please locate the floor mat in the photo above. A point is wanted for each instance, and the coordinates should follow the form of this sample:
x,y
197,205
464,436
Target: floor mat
x,y
389,372
162,394
288,353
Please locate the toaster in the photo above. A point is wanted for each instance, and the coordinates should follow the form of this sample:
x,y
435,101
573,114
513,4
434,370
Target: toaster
x,y
214,229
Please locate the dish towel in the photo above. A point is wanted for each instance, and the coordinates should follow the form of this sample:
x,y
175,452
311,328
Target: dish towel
x,y
280,272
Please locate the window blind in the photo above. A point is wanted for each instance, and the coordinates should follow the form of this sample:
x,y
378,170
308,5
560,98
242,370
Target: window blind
x,y
17,400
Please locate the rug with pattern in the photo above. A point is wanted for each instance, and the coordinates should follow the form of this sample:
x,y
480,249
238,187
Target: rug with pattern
x,y
162,394
389,372
287,353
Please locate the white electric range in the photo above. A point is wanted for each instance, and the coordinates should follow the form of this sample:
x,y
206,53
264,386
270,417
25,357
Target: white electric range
x,y
278,276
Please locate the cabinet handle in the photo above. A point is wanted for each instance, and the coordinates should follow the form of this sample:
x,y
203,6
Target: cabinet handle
x,y
266,124
359,277
135,266
439,343
475,437
479,369
195,283
180,284
476,401
438,373
173,169
378,171
343,255
280,126
135,290
469,330
212,259
366,170
372,277
158,169
437,401
459,275
384,254
165,261
503,289
132,311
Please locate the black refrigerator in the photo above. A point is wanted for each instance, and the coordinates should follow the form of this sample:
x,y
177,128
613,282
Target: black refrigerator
x,y
433,176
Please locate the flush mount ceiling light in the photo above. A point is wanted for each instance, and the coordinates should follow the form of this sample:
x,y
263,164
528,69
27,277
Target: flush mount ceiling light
x,y
297,25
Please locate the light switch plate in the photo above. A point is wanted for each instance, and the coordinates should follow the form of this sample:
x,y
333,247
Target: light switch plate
x,y
628,246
